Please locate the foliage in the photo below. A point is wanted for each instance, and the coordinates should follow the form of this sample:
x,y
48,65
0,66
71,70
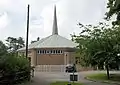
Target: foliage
x,y
99,44
3,48
10,65
114,9
33,42
97,41
38,38
15,43
13,63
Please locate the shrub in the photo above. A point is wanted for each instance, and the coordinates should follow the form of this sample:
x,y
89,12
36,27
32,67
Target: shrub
x,y
14,68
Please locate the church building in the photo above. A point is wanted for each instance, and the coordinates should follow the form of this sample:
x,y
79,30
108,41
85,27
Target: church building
x,y
51,50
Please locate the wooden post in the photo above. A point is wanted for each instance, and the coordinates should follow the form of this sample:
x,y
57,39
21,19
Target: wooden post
x,y
27,33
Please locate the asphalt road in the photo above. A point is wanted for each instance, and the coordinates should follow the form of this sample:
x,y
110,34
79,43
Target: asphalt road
x,y
44,78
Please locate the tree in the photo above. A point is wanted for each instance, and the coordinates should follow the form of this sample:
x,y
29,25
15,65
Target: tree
x,y
3,48
99,44
33,42
38,38
15,43
21,42
14,68
114,9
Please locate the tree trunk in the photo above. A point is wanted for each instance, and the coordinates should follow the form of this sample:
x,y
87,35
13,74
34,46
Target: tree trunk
x,y
108,74
117,65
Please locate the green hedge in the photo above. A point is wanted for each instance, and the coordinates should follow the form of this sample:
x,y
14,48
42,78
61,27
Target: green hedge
x,y
14,68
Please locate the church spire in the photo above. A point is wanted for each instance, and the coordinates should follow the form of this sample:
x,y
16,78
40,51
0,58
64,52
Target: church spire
x,y
55,28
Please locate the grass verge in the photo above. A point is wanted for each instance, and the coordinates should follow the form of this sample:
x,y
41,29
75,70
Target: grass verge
x,y
103,77
65,83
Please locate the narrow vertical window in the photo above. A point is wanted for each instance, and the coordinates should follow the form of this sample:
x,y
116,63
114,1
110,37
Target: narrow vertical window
x,y
47,51
53,51
61,51
44,51
56,51
38,51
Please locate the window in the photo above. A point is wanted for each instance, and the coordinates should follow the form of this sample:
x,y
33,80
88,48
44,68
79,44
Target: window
x,y
47,51
61,51
38,51
44,51
50,52
58,51
54,52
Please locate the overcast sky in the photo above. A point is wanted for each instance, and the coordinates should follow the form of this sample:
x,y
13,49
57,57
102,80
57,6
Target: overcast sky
x,y
69,13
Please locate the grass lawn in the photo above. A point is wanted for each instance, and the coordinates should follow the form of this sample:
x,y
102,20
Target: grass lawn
x,y
101,76
65,83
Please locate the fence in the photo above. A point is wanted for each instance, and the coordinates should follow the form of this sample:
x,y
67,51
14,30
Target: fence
x,y
58,68
50,68
80,68
14,78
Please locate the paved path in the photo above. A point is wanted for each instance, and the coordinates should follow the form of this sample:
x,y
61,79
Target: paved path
x,y
44,78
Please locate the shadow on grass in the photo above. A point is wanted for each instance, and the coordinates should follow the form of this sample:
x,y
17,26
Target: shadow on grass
x,y
115,77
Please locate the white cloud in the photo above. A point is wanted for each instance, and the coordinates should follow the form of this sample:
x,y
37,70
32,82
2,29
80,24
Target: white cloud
x,y
4,21
69,13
